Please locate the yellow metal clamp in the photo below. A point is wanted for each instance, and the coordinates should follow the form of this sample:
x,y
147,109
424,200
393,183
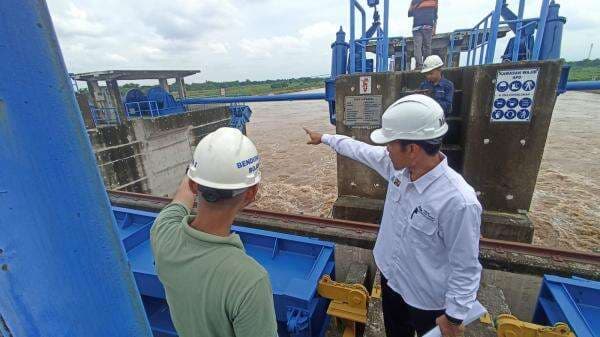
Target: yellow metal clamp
x,y
510,326
348,301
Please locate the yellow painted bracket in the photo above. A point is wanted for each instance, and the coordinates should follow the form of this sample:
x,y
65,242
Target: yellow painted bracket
x,y
510,326
348,301
376,293
486,319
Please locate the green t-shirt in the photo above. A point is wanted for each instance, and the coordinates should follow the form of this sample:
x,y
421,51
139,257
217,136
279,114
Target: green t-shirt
x,y
213,288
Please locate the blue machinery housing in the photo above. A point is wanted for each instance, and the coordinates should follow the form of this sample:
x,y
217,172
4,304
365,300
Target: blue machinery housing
x,y
295,266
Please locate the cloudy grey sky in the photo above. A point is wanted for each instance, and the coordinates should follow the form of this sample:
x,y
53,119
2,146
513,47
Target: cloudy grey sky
x,y
255,39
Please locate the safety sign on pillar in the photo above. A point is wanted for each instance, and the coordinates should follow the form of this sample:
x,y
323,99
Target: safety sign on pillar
x,y
513,99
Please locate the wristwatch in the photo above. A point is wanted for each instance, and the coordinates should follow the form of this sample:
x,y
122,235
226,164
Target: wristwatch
x,y
452,320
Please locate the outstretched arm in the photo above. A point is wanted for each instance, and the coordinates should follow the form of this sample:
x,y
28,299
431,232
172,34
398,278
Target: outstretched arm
x,y
375,157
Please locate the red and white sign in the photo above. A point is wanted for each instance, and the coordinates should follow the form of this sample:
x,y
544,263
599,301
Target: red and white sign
x,y
365,85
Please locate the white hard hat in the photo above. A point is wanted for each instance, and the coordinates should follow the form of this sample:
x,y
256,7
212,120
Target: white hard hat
x,y
432,62
225,159
414,117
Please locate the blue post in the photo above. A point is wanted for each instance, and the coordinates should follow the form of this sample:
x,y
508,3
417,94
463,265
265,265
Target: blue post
x,y
552,40
541,29
386,34
339,54
363,18
63,268
470,47
491,49
476,30
518,32
352,40
484,40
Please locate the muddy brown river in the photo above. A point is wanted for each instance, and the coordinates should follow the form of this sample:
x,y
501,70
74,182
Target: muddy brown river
x,y
301,178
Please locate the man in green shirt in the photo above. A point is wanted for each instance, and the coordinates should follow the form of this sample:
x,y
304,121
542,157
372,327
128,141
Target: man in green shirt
x,y
213,288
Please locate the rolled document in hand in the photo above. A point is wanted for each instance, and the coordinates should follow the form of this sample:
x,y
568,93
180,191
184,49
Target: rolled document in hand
x,y
477,310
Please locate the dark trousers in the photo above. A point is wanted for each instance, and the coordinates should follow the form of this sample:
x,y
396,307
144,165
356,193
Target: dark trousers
x,y
402,320
422,43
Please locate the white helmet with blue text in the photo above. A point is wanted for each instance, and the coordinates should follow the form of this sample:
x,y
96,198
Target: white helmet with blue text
x,y
225,160
414,117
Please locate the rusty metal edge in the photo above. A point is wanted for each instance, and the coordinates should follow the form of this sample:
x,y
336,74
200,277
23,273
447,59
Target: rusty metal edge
x,y
489,244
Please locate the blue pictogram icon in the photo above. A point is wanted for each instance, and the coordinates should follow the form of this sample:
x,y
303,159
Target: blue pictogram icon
x,y
529,85
497,114
510,114
515,85
502,86
512,103
523,114
499,103
525,102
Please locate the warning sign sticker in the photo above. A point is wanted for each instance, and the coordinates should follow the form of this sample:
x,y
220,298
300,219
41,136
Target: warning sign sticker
x,y
513,99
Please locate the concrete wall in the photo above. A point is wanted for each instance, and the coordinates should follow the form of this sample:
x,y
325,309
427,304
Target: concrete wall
x,y
169,144
119,155
500,160
151,155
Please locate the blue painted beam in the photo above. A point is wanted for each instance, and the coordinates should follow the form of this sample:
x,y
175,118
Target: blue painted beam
x,y
248,99
491,49
583,85
63,270
541,30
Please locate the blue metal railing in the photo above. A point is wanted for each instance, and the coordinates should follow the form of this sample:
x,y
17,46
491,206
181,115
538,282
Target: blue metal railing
x,y
382,40
140,109
541,29
484,40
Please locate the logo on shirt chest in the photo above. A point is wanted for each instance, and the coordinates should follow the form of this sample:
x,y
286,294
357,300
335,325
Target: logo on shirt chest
x,y
420,210
397,182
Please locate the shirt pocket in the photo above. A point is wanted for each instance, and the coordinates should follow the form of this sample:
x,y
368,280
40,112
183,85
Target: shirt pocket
x,y
422,231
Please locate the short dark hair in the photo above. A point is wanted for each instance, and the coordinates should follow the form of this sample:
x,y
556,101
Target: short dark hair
x,y
431,147
214,195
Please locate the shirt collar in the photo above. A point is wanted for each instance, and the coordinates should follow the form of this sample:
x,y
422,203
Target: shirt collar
x,y
233,239
428,178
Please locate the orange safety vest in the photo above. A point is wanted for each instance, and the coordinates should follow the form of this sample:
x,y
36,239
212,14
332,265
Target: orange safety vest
x,y
428,4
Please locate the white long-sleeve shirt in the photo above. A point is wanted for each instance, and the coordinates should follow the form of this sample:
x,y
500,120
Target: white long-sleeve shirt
x,y
428,241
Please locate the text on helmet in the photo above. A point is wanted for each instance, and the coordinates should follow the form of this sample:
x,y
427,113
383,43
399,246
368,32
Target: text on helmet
x,y
247,162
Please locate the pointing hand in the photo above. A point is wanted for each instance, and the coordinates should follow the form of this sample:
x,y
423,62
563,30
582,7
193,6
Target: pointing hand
x,y
315,137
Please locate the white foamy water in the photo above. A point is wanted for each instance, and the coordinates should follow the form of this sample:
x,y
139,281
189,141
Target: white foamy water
x,y
301,178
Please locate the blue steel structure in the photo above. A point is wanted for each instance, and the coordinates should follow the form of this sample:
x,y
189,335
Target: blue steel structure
x,y
570,300
358,59
535,39
63,270
295,265
156,103
240,115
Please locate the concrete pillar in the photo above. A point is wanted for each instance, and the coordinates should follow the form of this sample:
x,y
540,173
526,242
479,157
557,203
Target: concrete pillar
x,y
115,97
164,84
86,113
181,87
96,94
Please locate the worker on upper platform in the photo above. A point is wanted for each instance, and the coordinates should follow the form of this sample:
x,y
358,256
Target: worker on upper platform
x,y
424,14
212,287
435,85
428,243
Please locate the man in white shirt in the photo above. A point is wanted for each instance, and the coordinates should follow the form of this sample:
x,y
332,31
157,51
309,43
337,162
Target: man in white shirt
x,y
428,243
